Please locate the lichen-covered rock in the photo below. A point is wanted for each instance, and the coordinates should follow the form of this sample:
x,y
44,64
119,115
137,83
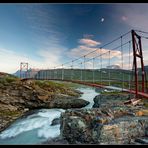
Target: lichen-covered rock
x,y
101,126
123,131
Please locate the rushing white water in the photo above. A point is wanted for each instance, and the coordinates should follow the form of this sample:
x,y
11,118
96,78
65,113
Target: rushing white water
x,y
89,94
36,128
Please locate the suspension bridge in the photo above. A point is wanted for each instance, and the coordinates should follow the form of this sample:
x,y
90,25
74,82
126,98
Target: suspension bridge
x,y
119,64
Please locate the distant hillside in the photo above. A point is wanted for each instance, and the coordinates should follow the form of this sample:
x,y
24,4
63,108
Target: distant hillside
x,y
115,73
3,74
17,73
31,73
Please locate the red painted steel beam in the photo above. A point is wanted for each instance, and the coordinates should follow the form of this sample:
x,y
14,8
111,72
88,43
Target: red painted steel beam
x,y
137,53
135,61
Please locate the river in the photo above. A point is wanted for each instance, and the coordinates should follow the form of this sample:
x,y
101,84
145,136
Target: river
x,y
35,128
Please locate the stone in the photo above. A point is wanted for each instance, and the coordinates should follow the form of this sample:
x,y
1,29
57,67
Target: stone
x,y
28,87
55,121
143,140
101,128
146,132
67,103
77,91
115,98
43,97
142,113
17,98
26,109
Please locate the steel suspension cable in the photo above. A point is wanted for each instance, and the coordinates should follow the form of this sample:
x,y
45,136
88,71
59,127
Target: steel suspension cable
x,y
142,31
54,73
100,47
62,72
109,50
129,65
49,74
72,71
101,68
81,71
108,43
130,68
144,37
84,70
93,69
122,64
109,68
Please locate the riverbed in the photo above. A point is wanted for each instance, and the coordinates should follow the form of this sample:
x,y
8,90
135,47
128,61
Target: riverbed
x,y
35,128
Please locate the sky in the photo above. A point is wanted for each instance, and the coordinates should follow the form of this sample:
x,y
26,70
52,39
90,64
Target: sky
x,y
45,35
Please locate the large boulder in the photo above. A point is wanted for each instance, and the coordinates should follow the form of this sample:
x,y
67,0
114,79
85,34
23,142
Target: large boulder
x,y
101,126
111,98
67,102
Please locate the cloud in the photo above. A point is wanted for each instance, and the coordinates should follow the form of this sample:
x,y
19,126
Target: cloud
x,y
93,52
87,46
115,57
89,42
52,58
135,17
45,28
10,61
137,14
82,50
124,18
128,60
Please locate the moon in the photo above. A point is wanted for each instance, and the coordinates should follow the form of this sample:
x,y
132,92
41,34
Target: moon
x,y
102,19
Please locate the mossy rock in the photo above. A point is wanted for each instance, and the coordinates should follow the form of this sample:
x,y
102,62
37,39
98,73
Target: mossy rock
x,y
10,113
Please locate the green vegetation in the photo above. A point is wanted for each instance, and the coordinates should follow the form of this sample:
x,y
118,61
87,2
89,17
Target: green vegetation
x,y
55,87
113,92
8,79
45,84
9,113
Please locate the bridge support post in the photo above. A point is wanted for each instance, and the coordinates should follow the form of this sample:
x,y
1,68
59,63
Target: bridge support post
x,y
62,72
23,67
137,53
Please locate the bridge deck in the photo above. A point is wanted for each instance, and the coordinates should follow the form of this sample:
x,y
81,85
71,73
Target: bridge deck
x,y
139,93
104,86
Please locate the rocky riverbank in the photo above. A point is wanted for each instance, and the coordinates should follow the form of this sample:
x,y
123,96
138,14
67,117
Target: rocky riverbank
x,y
110,121
18,97
102,126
